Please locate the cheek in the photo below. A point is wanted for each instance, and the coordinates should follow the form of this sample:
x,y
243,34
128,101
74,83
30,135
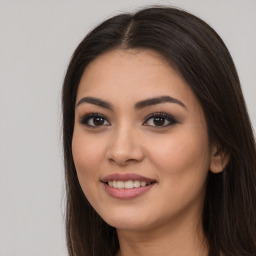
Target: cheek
x,y
183,157
87,155
87,150
182,165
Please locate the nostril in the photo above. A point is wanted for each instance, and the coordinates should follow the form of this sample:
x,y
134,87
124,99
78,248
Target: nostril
x,y
122,161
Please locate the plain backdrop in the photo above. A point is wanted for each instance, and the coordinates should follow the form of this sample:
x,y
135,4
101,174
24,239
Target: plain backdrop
x,y
37,39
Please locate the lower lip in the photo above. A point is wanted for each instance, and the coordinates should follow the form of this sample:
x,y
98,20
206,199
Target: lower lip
x,y
127,193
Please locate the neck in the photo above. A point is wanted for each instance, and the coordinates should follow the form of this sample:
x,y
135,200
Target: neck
x,y
169,240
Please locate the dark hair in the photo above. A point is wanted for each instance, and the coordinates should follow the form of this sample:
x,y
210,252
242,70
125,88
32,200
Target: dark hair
x,y
194,49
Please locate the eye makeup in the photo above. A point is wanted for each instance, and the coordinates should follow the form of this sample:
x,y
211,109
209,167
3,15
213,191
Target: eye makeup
x,y
157,120
94,120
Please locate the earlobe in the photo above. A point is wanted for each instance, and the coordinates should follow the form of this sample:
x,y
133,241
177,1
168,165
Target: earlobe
x,y
219,160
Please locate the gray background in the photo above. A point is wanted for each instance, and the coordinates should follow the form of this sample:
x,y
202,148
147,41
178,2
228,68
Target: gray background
x,y
37,39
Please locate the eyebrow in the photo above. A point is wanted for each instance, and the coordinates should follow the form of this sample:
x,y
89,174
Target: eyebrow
x,y
138,105
158,100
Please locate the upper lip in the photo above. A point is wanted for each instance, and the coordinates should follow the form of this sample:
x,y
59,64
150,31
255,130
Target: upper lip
x,y
126,177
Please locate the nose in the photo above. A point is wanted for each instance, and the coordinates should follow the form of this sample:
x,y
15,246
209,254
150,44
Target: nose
x,y
125,147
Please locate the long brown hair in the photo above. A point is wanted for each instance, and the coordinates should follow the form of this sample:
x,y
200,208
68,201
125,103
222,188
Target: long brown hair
x,y
194,49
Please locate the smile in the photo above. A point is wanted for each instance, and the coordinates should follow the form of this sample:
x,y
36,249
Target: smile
x,y
127,186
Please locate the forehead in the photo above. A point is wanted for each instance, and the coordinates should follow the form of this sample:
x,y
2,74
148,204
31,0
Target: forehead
x,y
134,74
130,64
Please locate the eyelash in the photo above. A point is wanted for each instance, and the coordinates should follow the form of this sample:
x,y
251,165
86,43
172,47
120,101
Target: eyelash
x,y
165,116
85,120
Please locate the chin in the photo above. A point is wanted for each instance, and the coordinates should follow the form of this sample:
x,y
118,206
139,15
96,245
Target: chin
x,y
127,224
128,221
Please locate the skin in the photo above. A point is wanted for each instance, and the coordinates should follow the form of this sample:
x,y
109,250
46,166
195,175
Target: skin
x,y
166,220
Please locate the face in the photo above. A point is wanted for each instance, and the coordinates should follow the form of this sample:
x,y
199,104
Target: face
x,y
140,142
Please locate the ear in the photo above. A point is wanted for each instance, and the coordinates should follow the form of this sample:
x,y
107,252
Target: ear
x,y
219,159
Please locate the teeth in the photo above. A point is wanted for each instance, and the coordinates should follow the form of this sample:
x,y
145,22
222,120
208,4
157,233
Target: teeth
x,y
114,184
143,183
136,184
120,184
127,184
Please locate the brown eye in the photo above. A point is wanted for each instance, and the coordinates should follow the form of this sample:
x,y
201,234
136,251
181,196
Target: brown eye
x,y
159,120
98,121
94,120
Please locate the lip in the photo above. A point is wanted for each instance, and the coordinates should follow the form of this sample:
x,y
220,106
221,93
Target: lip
x,y
124,193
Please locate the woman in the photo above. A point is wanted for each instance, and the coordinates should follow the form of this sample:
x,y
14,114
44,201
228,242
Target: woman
x,y
159,151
